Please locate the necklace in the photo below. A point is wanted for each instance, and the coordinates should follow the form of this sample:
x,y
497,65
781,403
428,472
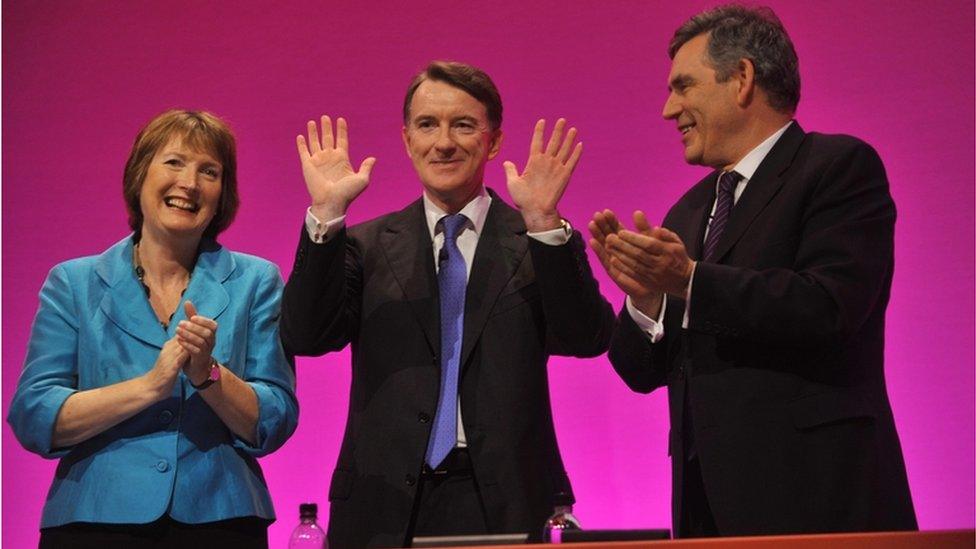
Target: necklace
x,y
141,275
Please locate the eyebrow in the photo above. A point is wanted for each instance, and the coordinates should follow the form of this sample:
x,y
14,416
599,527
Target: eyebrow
x,y
680,81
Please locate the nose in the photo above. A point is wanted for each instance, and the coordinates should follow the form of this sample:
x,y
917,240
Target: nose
x,y
188,178
444,142
672,107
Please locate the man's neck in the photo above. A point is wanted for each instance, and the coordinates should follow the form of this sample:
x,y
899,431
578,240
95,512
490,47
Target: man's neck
x,y
757,130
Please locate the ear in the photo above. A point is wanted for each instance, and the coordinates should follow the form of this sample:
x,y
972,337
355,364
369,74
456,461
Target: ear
x,y
495,144
406,140
745,76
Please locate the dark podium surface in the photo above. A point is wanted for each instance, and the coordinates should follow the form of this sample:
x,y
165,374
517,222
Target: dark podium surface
x,y
947,539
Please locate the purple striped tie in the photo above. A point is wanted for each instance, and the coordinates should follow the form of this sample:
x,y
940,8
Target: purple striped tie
x,y
723,209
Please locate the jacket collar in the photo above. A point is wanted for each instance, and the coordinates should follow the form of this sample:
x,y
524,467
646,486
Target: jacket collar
x,y
762,187
125,303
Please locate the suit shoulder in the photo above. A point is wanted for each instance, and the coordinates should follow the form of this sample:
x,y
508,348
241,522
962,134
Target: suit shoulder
x,y
838,145
252,263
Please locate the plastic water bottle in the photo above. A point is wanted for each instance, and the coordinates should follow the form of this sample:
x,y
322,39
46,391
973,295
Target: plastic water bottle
x,y
562,519
308,534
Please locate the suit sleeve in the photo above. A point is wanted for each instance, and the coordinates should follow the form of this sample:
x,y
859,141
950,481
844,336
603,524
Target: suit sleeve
x,y
641,364
50,373
321,304
269,373
843,260
579,321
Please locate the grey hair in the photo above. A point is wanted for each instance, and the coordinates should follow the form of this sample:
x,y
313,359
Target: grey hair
x,y
739,32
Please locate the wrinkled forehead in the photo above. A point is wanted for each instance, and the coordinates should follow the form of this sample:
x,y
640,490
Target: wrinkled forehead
x,y
435,98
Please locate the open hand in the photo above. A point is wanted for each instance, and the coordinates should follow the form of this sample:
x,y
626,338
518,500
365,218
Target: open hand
x,y
331,181
537,190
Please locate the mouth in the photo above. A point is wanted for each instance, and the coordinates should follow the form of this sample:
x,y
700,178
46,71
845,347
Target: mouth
x,y
685,128
182,204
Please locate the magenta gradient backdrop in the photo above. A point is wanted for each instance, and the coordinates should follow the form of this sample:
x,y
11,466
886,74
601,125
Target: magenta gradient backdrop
x,y
80,78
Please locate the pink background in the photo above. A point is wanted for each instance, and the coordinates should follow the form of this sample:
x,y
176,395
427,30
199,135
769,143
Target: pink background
x,y
80,78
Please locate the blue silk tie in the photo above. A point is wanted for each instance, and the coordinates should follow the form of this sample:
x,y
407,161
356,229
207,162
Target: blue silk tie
x,y
452,278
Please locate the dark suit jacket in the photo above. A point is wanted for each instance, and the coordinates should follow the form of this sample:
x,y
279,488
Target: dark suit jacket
x,y
375,286
783,358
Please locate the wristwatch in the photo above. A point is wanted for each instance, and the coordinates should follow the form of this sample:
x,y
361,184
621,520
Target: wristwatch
x,y
212,378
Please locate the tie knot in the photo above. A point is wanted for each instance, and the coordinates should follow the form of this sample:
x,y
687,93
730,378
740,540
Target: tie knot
x,y
452,225
727,182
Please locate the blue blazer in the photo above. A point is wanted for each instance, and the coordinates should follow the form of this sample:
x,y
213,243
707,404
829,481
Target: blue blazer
x,y
95,327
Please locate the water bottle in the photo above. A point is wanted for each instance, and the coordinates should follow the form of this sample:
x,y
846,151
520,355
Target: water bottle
x,y
562,518
308,534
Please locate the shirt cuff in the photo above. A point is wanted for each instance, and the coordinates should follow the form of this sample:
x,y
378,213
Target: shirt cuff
x,y
554,237
320,232
684,317
653,328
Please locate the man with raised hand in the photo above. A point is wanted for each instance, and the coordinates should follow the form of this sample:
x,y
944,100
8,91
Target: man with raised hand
x,y
760,302
452,306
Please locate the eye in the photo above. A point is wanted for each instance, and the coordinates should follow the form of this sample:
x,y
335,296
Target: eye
x,y
175,162
464,127
211,172
425,125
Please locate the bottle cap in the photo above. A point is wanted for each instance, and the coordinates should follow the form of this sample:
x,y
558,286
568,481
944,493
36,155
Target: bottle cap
x,y
308,510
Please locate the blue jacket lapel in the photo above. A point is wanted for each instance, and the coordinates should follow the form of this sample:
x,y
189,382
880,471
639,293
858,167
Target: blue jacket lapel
x,y
124,300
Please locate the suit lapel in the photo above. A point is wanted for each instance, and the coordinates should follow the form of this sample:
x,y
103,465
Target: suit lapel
x,y
124,301
763,186
408,249
699,210
502,246
206,290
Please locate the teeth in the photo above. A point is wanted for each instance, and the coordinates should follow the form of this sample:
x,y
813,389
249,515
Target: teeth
x,y
685,129
181,203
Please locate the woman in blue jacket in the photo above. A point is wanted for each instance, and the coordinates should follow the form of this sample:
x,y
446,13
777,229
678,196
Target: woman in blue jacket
x,y
154,370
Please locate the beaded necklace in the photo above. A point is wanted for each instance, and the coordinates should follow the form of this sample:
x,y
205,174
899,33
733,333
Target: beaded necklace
x,y
141,275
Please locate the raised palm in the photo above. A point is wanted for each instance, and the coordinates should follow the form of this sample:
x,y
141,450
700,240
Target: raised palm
x,y
537,190
331,181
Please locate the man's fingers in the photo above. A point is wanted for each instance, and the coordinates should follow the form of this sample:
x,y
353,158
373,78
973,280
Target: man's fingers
x,y
641,223
302,149
536,146
314,145
575,157
366,167
189,309
511,172
604,222
556,138
328,140
342,134
601,253
567,146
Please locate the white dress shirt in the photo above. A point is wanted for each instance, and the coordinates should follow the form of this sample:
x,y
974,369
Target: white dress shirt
x,y
746,168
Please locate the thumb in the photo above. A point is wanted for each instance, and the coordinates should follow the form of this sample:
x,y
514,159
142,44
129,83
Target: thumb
x,y
511,172
367,167
189,309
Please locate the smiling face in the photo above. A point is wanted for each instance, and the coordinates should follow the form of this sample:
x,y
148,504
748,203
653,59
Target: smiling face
x,y
180,194
706,111
449,141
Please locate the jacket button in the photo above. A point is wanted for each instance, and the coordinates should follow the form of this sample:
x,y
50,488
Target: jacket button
x,y
410,480
423,418
165,417
162,466
433,359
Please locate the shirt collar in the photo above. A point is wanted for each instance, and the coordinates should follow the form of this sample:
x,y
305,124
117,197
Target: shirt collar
x,y
476,211
750,162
